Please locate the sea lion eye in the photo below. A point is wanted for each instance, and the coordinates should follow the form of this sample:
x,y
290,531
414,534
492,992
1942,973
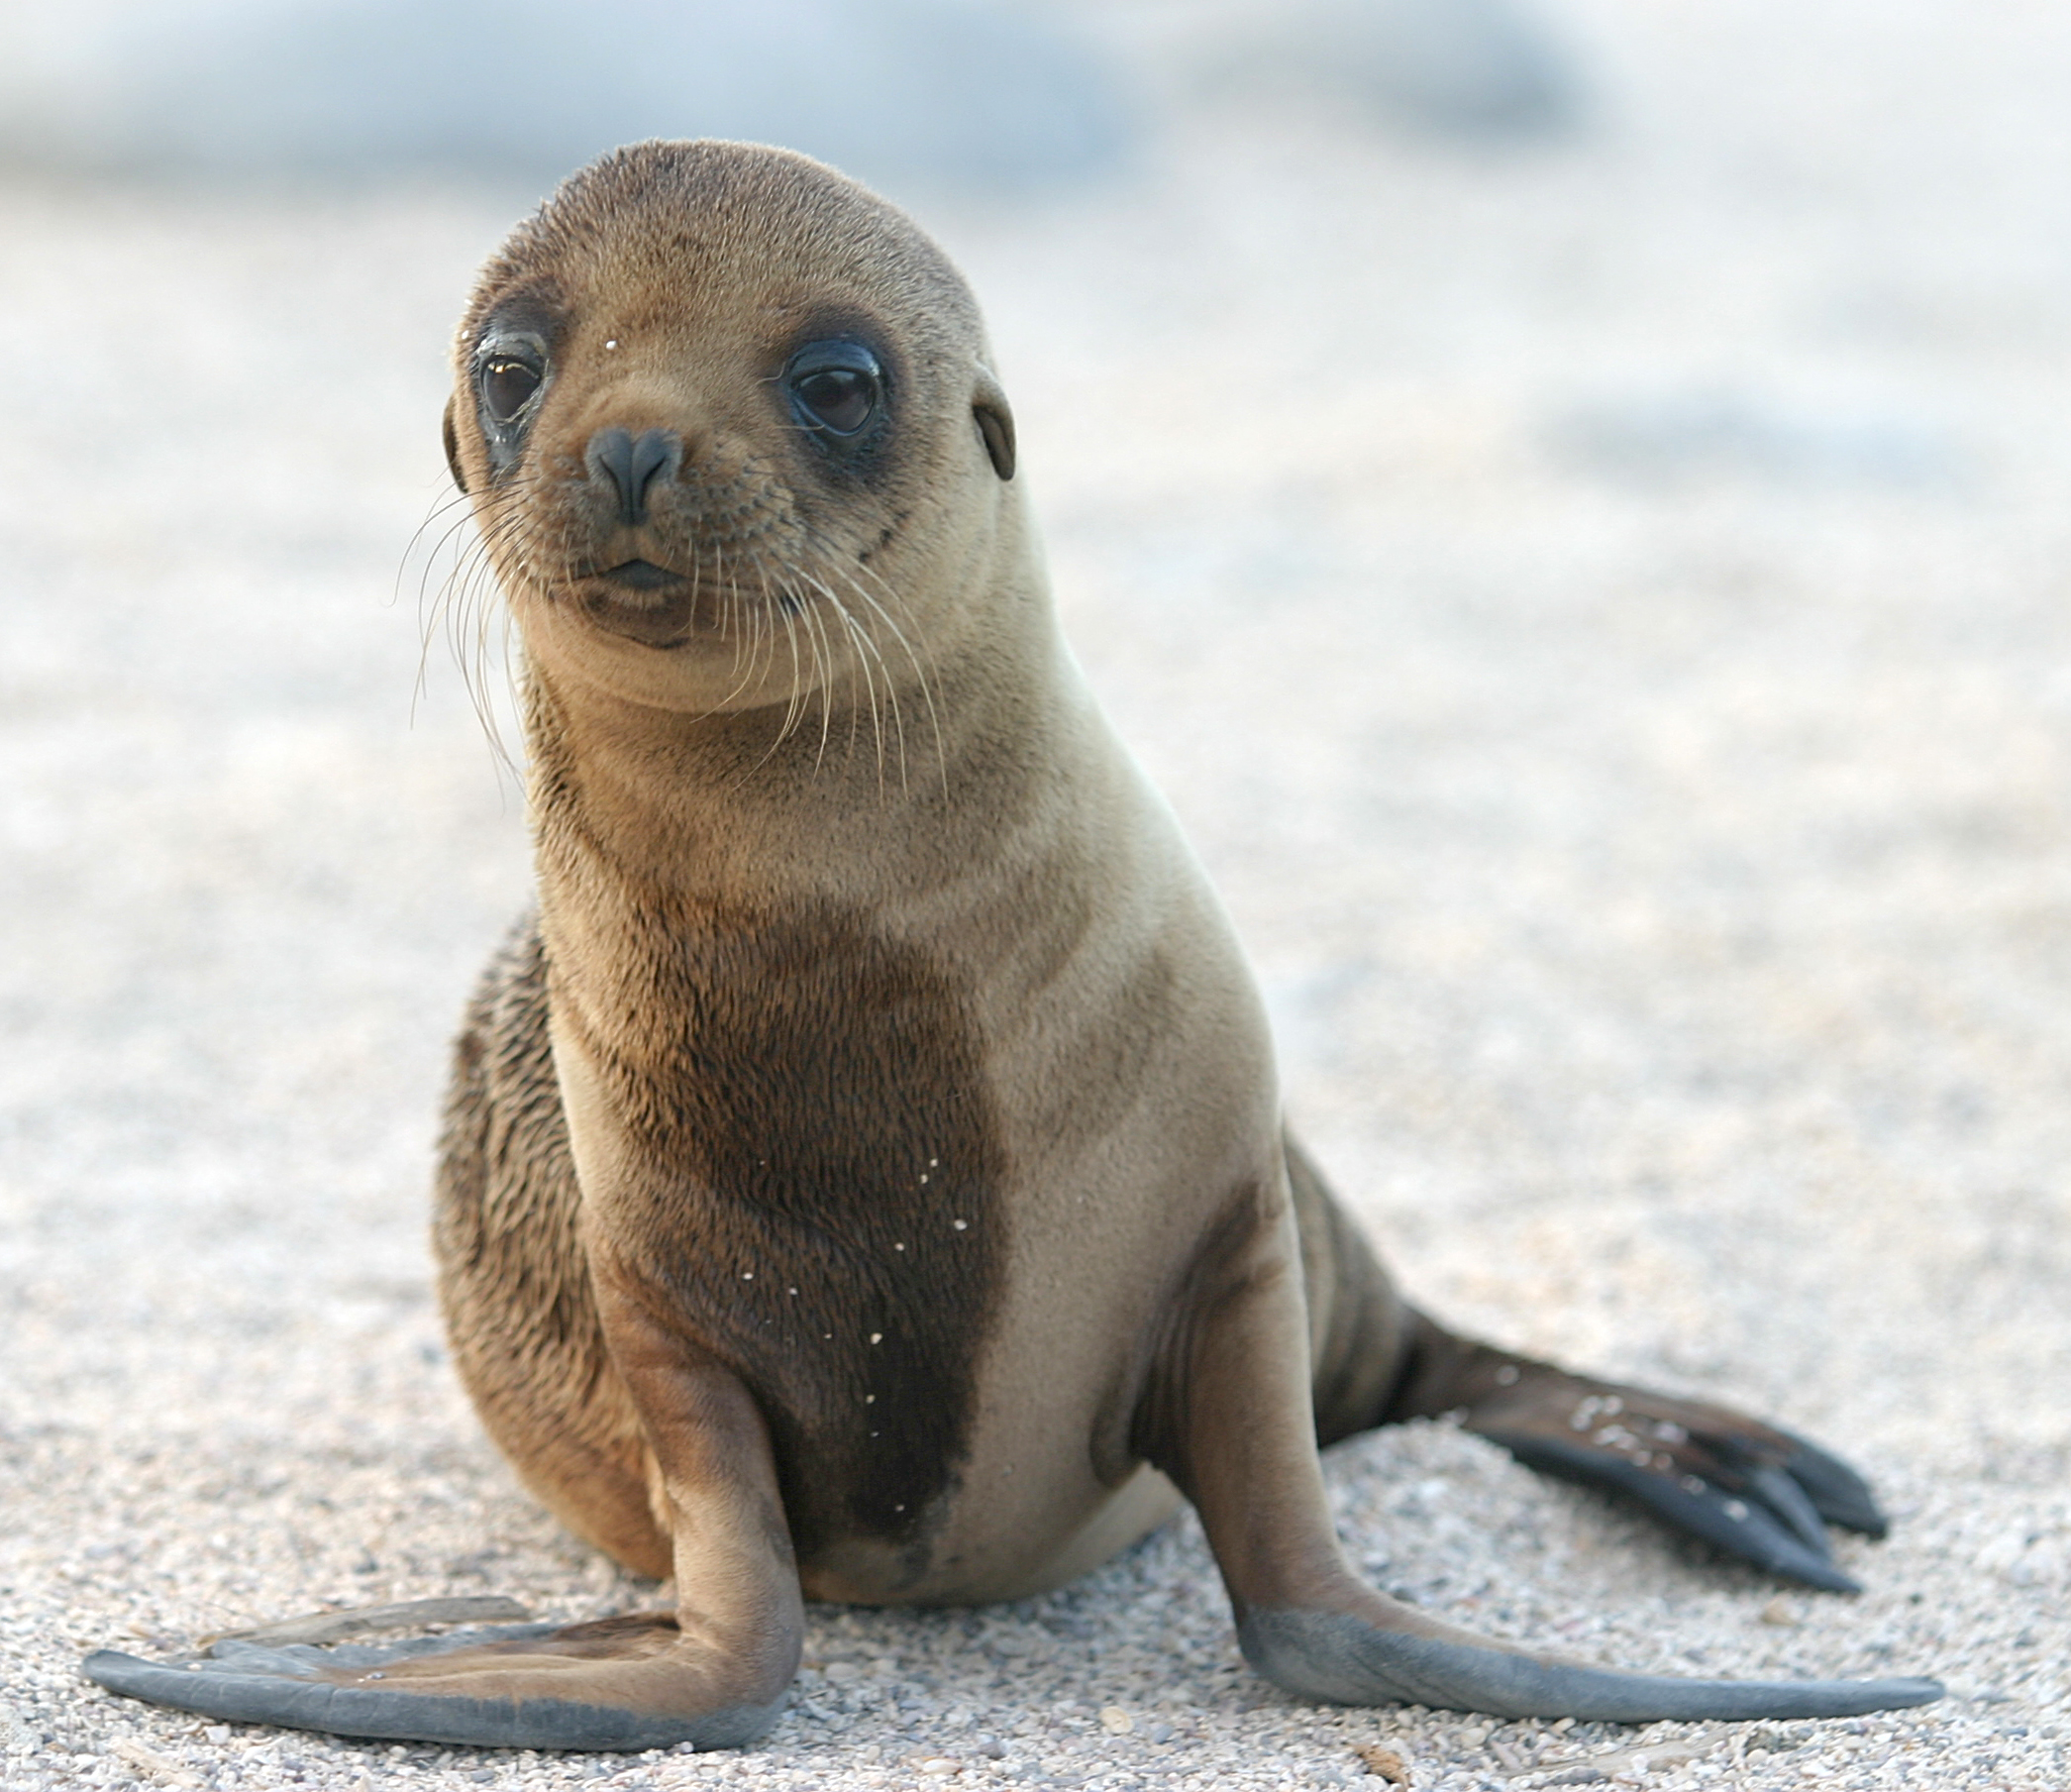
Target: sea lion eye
x,y
507,385
841,398
836,386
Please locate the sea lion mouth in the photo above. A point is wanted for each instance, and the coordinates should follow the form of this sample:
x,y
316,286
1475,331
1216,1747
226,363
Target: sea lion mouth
x,y
642,575
642,602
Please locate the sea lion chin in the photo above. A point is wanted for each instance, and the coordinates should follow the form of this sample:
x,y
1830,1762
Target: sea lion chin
x,y
864,1176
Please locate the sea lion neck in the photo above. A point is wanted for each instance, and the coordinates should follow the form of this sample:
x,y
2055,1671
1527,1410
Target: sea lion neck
x,y
656,804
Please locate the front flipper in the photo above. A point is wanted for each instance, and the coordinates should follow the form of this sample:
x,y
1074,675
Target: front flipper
x,y
1352,1660
712,1674
1229,1417
1744,1487
622,1684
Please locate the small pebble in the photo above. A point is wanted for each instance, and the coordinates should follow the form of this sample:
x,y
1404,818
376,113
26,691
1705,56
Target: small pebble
x,y
1385,1764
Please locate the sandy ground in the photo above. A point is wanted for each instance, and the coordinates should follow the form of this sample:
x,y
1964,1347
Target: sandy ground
x,y
1601,614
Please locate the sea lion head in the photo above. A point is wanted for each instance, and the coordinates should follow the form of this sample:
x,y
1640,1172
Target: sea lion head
x,y
729,431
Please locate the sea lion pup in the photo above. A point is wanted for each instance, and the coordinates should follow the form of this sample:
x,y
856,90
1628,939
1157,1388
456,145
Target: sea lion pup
x,y
864,1180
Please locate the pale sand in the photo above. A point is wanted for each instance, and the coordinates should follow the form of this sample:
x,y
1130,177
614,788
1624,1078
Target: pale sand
x,y
1603,616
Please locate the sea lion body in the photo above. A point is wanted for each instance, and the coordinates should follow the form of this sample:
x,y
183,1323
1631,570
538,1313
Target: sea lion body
x,y
865,1177
944,1300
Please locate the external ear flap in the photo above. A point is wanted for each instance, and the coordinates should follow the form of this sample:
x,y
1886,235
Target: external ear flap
x,y
996,423
452,448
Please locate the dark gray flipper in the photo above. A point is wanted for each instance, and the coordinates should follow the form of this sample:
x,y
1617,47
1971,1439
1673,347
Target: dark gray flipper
x,y
1766,1519
1750,1489
1786,1501
1839,1494
254,1683
1347,1661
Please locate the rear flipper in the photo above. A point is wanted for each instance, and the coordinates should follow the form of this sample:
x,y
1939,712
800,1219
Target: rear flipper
x,y
1746,1488
1225,1417
617,1685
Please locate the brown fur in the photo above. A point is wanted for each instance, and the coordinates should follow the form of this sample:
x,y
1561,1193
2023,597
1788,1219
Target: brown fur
x,y
865,1177
813,1010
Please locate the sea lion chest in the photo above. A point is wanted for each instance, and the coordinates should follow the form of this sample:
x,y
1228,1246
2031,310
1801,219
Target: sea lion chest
x,y
817,1191
927,1192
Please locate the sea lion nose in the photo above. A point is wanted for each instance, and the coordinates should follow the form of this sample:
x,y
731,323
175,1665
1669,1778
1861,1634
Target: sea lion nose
x,y
632,463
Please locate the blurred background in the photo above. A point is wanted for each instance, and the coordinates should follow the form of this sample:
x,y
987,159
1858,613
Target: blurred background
x,y
980,97
1568,496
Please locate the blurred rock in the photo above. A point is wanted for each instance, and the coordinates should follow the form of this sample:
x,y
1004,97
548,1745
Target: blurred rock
x,y
951,95
1474,68
1702,433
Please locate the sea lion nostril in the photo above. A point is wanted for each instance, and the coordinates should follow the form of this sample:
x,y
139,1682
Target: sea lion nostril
x,y
632,463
